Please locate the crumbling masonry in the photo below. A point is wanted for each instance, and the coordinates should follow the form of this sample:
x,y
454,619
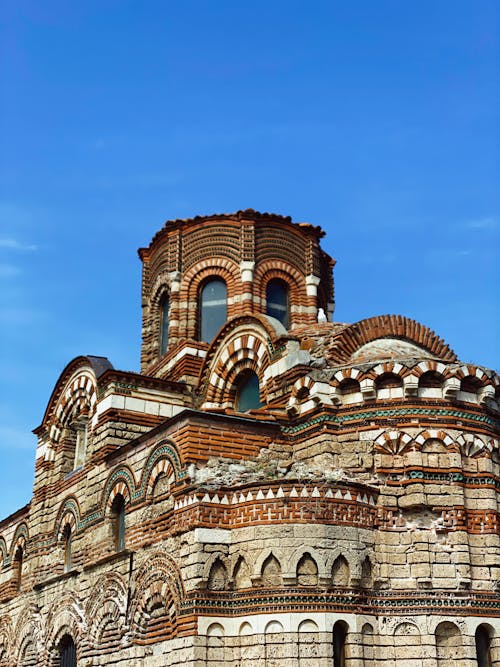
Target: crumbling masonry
x,y
273,488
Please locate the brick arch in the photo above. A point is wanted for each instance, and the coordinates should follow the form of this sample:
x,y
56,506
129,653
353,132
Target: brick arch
x,y
472,371
346,374
28,630
106,610
121,481
393,442
390,367
471,444
90,367
166,453
228,396
160,290
243,343
75,393
350,339
304,383
292,277
3,552
69,513
190,286
430,366
157,587
6,638
65,617
434,434
20,539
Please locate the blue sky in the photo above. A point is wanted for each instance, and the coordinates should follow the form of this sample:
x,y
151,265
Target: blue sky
x,y
376,120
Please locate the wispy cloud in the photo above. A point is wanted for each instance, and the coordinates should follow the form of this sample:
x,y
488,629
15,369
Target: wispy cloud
x,y
486,222
14,244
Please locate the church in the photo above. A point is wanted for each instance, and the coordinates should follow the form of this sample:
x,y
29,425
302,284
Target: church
x,y
274,488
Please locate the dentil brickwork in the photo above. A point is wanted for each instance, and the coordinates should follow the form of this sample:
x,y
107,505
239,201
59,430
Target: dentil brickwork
x,y
273,488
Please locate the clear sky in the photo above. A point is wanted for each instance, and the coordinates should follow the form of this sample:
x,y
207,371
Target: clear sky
x,y
377,120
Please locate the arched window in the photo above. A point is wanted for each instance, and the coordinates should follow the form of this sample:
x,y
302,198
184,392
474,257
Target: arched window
x,y
277,301
118,517
80,426
339,641
212,308
67,537
483,642
18,567
247,392
67,652
74,443
164,313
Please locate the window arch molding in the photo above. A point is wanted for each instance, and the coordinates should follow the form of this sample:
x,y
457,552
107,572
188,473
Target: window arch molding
x,y
121,481
20,539
247,391
192,280
65,618
211,314
245,342
292,278
163,319
278,301
230,394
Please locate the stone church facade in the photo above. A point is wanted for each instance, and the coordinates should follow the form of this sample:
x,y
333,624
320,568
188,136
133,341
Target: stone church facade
x,y
273,488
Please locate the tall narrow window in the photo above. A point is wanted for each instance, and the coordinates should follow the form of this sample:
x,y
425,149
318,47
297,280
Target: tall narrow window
x,y
18,567
118,515
247,392
277,301
164,325
67,537
80,427
339,641
483,641
67,652
213,308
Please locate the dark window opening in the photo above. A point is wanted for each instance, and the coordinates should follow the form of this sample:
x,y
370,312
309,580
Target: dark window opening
x,y
67,652
247,392
18,567
67,536
483,642
277,301
430,380
388,381
118,513
164,325
339,642
213,309
470,384
349,386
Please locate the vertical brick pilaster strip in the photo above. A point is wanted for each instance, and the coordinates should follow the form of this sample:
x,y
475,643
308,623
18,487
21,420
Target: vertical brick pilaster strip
x,y
174,267
247,257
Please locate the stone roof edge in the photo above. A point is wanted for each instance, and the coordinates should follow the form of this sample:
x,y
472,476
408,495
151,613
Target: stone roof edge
x,y
99,366
15,516
245,214
350,339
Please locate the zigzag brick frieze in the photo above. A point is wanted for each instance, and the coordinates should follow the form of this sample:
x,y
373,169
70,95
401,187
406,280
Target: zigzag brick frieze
x,y
290,490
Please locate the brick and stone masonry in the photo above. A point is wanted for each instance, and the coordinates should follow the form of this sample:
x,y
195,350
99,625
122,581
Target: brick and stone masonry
x,y
290,491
